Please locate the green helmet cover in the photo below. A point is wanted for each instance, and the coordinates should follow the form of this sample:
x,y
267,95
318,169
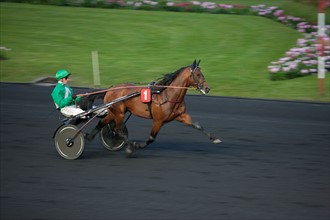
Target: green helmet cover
x,y
61,74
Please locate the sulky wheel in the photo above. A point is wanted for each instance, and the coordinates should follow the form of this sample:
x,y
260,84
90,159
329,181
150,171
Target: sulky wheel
x,y
111,140
69,142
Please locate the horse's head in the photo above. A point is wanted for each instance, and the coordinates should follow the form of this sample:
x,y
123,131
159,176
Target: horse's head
x,y
197,78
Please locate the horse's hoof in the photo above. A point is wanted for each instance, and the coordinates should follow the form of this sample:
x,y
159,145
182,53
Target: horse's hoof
x,y
130,150
129,153
217,141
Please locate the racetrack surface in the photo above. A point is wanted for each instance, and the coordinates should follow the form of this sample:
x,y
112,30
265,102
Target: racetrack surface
x,y
273,163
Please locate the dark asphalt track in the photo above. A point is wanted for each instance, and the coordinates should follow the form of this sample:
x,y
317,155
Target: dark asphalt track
x,y
273,164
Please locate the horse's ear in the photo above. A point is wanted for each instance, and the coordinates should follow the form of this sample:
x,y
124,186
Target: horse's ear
x,y
198,63
193,66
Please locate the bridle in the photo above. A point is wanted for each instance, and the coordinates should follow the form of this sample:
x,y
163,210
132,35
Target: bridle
x,y
199,85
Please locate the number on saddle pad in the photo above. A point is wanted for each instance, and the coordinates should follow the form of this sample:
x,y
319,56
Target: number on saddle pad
x,y
145,95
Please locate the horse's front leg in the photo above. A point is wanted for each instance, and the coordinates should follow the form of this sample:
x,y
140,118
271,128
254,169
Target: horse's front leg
x,y
186,119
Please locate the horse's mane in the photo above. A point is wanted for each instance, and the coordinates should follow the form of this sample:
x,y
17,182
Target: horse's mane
x,y
169,77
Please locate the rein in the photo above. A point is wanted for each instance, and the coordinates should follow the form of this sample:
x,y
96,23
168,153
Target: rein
x,y
128,87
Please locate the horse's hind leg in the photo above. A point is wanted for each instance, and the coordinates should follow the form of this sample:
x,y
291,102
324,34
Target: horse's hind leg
x,y
153,134
119,120
90,136
186,119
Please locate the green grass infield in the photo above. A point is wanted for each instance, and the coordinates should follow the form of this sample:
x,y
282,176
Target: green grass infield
x,y
140,46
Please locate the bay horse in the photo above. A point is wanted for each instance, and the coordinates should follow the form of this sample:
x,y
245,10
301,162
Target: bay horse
x,y
165,106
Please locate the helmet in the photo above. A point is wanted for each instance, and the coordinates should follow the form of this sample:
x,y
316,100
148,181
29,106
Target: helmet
x,y
61,74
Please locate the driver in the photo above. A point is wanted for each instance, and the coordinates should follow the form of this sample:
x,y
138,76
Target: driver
x,y
63,96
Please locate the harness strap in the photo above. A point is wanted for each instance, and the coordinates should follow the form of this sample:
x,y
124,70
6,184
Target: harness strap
x,y
149,108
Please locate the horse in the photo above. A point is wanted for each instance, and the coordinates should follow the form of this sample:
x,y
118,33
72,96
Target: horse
x,y
165,106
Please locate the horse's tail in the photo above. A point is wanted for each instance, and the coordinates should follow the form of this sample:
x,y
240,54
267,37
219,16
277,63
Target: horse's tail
x,y
86,101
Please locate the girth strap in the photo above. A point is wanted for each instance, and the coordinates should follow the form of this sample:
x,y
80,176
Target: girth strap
x,y
149,108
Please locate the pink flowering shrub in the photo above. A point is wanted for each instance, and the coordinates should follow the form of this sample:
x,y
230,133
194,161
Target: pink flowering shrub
x,y
301,60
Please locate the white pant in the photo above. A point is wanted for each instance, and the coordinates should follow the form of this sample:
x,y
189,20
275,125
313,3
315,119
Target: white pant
x,y
72,110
